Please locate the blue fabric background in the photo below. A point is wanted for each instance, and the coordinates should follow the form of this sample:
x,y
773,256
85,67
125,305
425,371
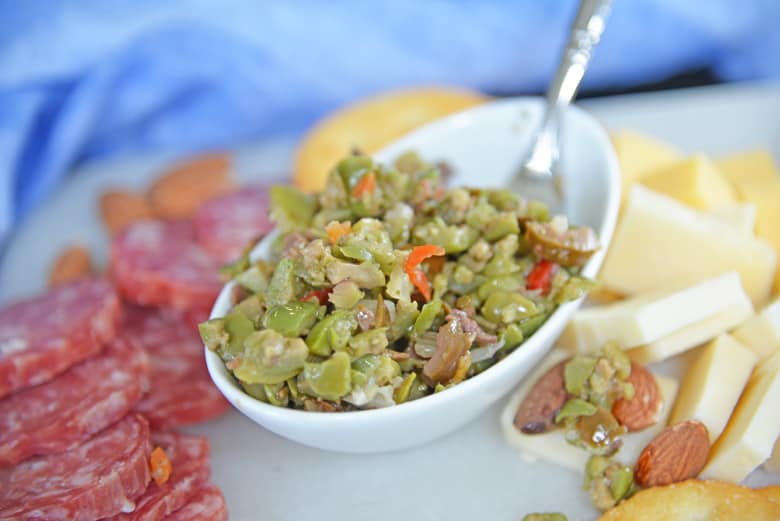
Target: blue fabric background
x,y
91,79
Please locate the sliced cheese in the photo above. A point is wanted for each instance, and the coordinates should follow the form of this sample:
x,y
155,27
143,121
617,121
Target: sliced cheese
x,y
712,385
639,154
756,177
749,170
648,317
693,335
661,242
694,181
753,428
553,447
741,216
761,333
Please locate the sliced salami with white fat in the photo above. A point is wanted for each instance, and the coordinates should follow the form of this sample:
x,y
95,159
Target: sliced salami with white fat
x,y
100,478
61,413
208,505
189,457
227,225
181,392
43,336
159,263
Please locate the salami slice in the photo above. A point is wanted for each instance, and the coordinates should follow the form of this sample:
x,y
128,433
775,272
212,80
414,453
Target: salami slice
x,y
97,479
181,391
62,413
189,457
43,336
158,263
208,505
226,225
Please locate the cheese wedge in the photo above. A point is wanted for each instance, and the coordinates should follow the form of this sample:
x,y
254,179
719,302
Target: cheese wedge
x,y
742,216
747,171
639,154
553,447
711,387
648,317
693,335
761,333
660,242
694,181
753,428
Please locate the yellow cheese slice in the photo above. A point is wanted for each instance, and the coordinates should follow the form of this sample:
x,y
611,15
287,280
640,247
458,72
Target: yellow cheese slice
x,y
741,216
553,447
661,242
648,317
761,333
748,170
711,387
753,428
639,154
694,181
693,335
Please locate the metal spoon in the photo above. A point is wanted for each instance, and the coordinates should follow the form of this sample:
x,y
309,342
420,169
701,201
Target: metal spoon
x,y
539,177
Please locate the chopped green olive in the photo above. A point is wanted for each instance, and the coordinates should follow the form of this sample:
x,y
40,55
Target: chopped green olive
x,y
550,516
330,379
401,393
620,482
291,209
292,319
372,341
427,315
269,358
253,279
575,408
281,289
506,307
332,332
213,334
239,327
577,372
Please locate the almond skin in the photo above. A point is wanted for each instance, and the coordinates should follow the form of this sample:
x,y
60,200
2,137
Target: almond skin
x,y
679,452
641,411
119,208
537,411
72,263
182,189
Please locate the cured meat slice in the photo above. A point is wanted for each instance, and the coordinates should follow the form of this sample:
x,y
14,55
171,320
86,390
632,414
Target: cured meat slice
x,y
97,479
208,505
43,336
181,391
62,413
226,225
189,457
158,263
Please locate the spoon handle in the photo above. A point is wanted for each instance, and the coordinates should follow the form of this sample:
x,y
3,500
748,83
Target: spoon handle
x,y
583,37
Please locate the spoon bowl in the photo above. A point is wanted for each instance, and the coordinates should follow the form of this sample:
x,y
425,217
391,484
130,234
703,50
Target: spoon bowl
x,y
484,146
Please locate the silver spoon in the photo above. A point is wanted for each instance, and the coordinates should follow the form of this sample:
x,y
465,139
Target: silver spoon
x,y
539,177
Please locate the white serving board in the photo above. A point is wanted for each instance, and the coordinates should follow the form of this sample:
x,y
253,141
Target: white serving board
x,y
472,474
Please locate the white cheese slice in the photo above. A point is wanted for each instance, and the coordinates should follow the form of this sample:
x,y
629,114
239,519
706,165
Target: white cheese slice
x,y
754,426
648,317
660,242
693,335
761,333
713,384
741,216
553,447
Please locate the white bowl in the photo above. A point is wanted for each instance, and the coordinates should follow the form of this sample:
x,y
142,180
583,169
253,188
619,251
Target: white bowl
x,y
484,145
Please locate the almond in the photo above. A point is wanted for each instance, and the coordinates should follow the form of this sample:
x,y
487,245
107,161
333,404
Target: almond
x,y
179,192
536,413
72,263
119,208
677,453
642,410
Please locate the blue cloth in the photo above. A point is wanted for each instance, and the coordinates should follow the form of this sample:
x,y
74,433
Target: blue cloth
x,y
92,79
